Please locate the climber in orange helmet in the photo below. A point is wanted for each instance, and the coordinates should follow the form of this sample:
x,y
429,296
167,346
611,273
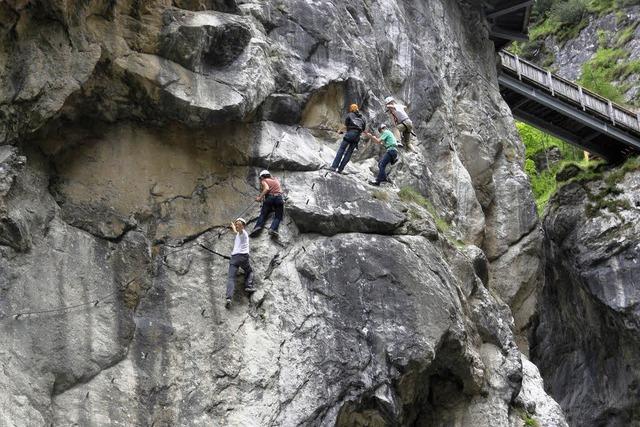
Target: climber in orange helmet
x,y
354,124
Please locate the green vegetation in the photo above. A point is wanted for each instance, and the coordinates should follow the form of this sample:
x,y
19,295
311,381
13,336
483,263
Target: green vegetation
x,y
528,420
609,66
562,18
566,18
606,6
543,183
627,34
410,195
602,200
607,72
599,73
569,12
615,177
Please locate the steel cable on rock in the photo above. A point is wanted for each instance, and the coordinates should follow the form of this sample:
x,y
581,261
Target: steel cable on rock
x,y
226,229
94,302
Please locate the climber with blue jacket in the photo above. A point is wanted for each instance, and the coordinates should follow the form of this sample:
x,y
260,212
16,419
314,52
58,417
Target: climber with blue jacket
x,y
390,156
354,124
239,259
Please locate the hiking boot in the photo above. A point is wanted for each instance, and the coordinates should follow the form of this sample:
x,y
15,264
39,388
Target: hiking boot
x,y
255,231
376,183
227,304
274,234
250,289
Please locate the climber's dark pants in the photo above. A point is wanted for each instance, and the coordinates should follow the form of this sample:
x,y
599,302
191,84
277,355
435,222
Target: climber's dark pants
x,y
388,157
241,261
271,203
349,143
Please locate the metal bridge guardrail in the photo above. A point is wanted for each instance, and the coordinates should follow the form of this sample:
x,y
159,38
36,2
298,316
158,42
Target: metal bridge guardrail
x,y
587,100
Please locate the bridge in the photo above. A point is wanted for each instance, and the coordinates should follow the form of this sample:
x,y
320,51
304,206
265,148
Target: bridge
x,y
555,105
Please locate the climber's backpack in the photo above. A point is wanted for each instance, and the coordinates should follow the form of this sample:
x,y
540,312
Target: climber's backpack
x,y
357,121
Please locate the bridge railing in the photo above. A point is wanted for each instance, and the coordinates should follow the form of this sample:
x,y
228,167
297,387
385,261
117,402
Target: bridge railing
x,y
556,85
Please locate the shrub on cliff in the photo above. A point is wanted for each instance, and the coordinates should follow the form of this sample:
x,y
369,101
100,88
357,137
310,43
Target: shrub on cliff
x,y
570,12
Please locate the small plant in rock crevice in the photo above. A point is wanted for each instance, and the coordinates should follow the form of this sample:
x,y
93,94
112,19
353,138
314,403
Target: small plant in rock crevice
x,y
408,194
527,419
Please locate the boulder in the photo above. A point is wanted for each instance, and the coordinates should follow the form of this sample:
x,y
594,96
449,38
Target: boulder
x,y
327,203
291,148
200,41
281,108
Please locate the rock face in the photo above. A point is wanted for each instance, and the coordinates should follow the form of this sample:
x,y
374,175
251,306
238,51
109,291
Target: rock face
x,y
586,340
548,158
131,133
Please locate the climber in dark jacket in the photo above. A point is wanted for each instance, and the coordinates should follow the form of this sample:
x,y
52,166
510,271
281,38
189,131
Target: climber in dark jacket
x,y
354,124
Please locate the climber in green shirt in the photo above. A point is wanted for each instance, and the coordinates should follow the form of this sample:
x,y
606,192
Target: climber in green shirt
x,y
390,156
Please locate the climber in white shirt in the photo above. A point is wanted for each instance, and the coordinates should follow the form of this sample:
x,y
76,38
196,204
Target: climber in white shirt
x,y
239,259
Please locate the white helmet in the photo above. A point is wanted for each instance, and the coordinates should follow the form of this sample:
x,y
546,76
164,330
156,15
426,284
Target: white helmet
x,y
242,220
389,100
264,172
381,126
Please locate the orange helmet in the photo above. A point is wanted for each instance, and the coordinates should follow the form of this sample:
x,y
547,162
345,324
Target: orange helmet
x,y
353,108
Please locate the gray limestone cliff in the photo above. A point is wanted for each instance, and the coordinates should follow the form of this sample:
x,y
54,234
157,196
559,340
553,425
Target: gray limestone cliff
x,y
587,339
585,334
131,135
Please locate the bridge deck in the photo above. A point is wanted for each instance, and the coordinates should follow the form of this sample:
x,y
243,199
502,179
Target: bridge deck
x,y
567,110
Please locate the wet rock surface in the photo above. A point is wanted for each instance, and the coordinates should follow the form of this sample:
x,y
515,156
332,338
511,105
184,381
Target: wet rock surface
x,y
133,135
586,337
